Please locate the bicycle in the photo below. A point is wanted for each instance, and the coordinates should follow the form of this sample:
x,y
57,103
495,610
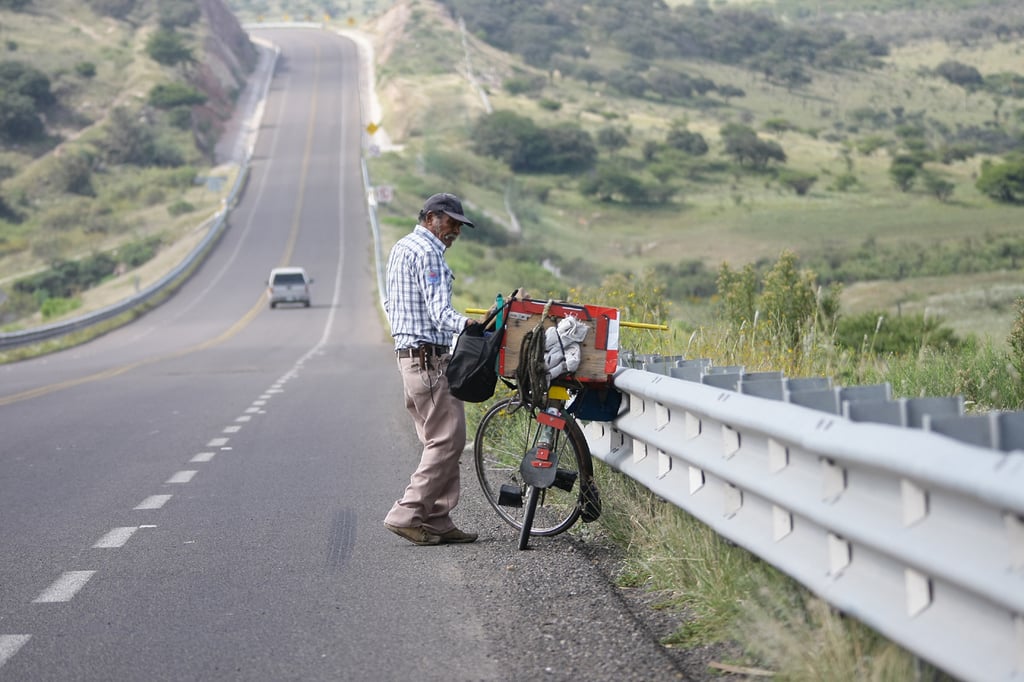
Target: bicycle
x,y
535,468
530,454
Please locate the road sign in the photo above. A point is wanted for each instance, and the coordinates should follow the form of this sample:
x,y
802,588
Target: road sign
x,y
372,128
385,193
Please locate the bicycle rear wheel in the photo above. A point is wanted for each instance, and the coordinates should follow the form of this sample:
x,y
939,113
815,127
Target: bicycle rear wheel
x,y
505,434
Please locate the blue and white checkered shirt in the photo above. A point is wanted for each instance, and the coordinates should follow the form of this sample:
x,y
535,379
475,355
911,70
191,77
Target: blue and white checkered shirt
x,y
418,292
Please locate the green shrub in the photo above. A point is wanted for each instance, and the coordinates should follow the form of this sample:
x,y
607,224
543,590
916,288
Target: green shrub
x,y
168,47
1003,181
55,307
518,85
881,333
180,207
85,69
180,117
178,13
1016,341
118,9
136,253
798,181
845,182
170,95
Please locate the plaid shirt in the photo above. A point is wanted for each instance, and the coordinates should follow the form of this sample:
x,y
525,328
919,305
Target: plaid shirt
x,y
418,296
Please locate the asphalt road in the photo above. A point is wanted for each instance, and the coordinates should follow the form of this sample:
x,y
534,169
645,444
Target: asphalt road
x,y
199,495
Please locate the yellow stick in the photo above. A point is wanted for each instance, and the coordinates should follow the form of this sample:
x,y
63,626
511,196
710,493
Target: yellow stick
x,y
624,323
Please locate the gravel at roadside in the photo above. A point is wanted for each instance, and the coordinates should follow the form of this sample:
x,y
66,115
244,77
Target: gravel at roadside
x,y
555,612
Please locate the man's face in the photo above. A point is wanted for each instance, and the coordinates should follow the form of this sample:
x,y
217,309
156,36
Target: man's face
x,y
445,229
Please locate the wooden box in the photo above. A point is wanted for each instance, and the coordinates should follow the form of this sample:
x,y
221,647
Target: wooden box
x,y
599,354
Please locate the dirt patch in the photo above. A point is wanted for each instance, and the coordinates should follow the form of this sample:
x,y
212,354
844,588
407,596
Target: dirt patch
x,y
388,30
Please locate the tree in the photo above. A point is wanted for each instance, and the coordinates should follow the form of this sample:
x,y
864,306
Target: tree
x,y
679,137
1003,181
590,74
612,138
525,146
789,299
611,182
628,83
24,79
938,186
960,74
178,13
18,117
903,170
74,174
671,84
504,135
565,148
743,144
798,181
128,140
167,47
738,292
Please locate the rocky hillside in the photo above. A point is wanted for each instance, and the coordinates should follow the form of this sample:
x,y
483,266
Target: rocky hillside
x,y
228,58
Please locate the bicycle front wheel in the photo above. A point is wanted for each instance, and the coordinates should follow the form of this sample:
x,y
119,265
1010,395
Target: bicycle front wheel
x,y
506,433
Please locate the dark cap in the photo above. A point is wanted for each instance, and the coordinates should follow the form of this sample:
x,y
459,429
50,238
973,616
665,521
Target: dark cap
x,y
448,204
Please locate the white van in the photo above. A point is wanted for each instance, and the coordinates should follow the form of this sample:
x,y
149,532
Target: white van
x,y
288,285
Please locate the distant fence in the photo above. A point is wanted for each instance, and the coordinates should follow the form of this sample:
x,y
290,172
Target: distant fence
x,y
906,514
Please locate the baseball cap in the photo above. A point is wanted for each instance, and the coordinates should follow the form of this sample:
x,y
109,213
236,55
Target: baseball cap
x,y
449,204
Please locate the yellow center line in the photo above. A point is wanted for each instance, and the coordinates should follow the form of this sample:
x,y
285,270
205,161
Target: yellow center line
x,y
242,322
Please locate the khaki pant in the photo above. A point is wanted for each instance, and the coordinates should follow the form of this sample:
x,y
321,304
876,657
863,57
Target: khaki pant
x,y
440,421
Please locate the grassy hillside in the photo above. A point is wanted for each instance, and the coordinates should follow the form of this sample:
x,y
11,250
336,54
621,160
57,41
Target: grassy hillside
x,y
844,127
99,163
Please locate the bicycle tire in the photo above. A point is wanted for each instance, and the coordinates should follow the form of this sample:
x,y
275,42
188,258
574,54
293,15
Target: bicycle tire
x,y
506,432
531,509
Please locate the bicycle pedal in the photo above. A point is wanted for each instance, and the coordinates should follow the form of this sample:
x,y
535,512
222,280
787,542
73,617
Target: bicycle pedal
x,y
565,480
510,496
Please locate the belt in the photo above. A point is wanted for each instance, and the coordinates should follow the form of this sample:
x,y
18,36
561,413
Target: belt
x,y
425,349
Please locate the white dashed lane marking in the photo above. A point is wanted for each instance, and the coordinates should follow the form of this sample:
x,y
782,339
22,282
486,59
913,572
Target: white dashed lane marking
x,y
9,645
64,588
115,537
244,418
217,442
232,429
202,457
153,502
182,476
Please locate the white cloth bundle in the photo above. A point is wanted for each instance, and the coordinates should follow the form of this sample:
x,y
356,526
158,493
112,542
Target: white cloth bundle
x,y
562,350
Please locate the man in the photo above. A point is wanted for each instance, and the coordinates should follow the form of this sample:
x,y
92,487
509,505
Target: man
x,y
418,303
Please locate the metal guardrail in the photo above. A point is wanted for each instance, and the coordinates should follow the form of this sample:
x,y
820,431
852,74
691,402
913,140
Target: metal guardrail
x,y
905,514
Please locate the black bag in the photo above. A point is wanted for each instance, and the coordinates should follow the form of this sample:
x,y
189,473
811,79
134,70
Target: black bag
x,y
472,372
